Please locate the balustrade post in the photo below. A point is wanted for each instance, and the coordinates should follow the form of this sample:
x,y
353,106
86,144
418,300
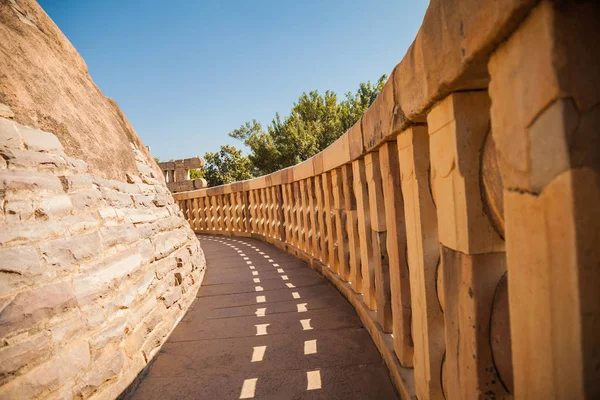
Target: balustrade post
x,y
246,217
473,259
396,249
364,233
215,212
320,232
313,210
380,259
286,212
305,230
423,259
253,211
355,274
268,203
298,215
280,213
228,211
330,249
343,252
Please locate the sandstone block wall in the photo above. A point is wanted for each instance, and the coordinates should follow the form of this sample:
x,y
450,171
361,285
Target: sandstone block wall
x,y
94,275
97,264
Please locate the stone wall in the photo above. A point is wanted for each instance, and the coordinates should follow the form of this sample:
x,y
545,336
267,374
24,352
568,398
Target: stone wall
x,y
97,265
95,272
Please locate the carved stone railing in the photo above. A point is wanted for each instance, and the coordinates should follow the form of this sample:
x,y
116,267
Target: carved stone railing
x,y
177,174
475,170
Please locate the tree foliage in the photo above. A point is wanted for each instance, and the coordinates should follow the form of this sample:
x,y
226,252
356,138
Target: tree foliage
x,y
315,122
226,166
196,174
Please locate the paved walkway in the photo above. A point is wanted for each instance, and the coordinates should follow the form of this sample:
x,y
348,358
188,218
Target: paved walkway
x,y
266,326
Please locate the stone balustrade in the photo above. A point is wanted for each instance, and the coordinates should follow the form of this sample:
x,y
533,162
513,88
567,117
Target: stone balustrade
x,y
177,174
459,215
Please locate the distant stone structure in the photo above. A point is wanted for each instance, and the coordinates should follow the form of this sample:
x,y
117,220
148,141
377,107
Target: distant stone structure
x,y
177,174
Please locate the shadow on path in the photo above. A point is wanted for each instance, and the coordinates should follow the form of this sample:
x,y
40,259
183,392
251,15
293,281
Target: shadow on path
x,y
265,326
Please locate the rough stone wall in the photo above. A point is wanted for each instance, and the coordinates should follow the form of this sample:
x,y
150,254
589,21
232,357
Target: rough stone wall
x,y
94,274
97,264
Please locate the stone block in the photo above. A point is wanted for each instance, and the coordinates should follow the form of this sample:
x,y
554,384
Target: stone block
x,y
171,296
162,199
26,353
17,158
164,266
83,199
30,231
9,135
78,182
37,140
116,199
137,216
53,206
113,333
18,210
6,111
101,371
21,266
65,328
457,129
104,276
18,180
143,309
31,307
76,164
470,282
62,253
142,200
118,234
78,224
165,243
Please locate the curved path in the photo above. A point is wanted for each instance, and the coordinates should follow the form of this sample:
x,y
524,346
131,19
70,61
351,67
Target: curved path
x,y
265,326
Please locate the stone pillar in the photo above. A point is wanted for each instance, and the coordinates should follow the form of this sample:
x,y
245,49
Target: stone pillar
x,y
545,90
472,250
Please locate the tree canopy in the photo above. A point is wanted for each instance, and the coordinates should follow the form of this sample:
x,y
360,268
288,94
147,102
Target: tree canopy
x,y
226,166
315,121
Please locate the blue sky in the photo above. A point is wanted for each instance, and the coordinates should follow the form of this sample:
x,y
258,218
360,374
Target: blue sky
x,y
188,72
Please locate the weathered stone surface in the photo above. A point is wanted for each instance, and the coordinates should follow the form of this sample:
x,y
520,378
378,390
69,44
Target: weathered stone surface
x,y
74,250
32,159
51,375
104,276
37,140
31,307
6,111
13,180
19,233
51,206
86,199
121,234
21,266
27,353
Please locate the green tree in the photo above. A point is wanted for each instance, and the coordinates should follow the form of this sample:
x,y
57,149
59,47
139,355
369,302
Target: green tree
x,y
196,174
226,166
315,122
